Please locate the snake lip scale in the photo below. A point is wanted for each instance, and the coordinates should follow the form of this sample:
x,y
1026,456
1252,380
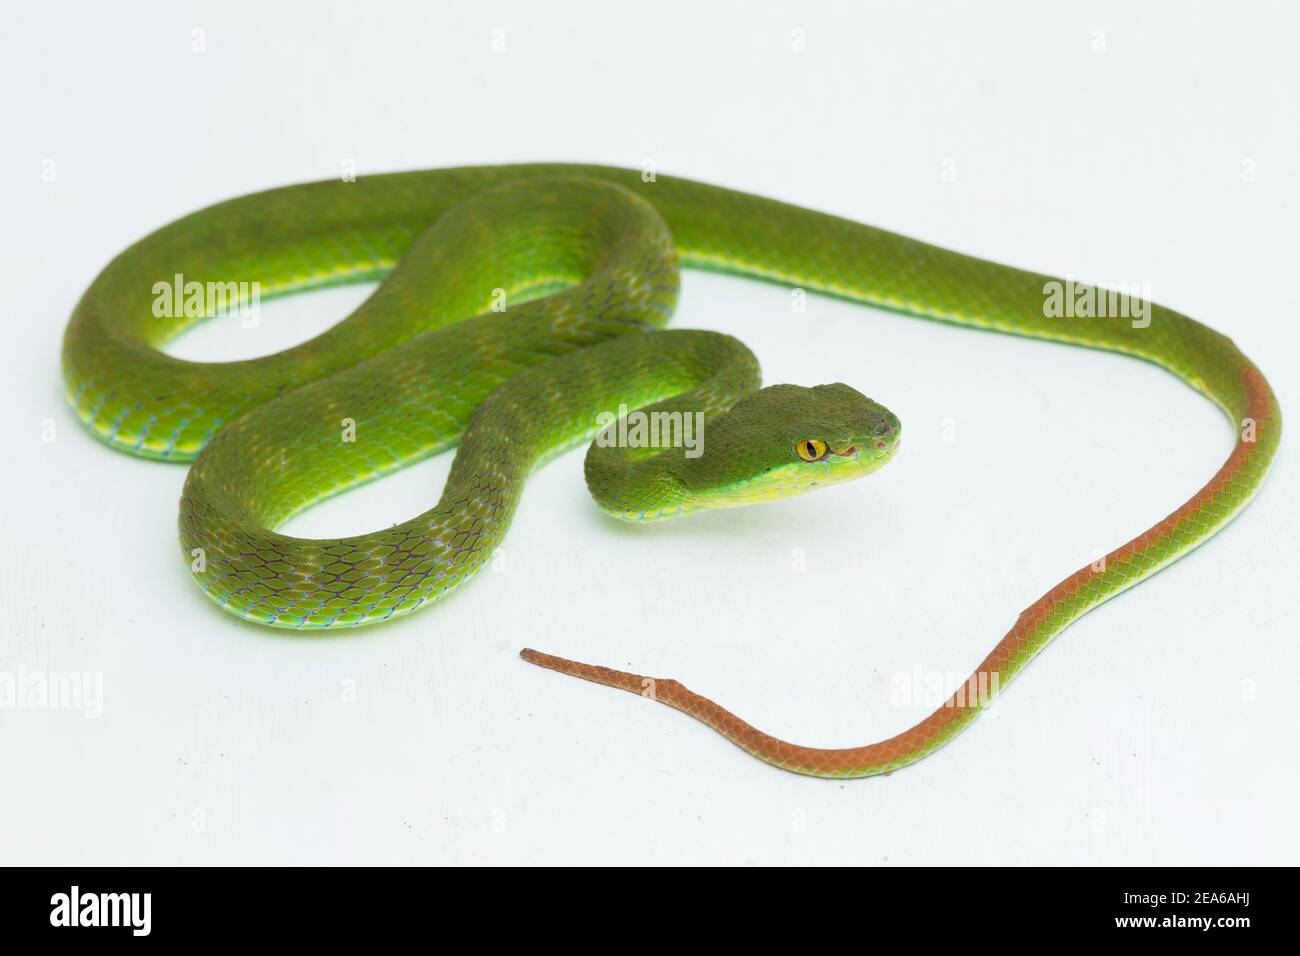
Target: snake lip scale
x,y
519,304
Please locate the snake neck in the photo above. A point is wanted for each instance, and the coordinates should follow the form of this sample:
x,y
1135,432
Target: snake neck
x,y
637,468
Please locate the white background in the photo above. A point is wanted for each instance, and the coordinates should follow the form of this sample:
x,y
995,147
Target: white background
x,y
1108,142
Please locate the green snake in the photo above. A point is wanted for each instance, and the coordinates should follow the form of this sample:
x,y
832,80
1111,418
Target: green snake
x,y
521,313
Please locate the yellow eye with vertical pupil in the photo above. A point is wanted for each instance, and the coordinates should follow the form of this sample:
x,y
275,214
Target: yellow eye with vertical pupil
x,y
811,449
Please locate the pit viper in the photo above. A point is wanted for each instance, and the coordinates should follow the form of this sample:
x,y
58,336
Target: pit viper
x,y
521,310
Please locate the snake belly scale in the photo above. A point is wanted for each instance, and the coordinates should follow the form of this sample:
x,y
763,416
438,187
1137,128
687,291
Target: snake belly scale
x,y
587,259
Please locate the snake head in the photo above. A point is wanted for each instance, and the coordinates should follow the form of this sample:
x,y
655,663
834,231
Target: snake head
x,y
785,440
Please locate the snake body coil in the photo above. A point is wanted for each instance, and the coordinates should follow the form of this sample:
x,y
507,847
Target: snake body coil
x,y
520,303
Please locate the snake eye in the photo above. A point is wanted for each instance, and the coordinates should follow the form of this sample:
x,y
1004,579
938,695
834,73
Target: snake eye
x,y
811,449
